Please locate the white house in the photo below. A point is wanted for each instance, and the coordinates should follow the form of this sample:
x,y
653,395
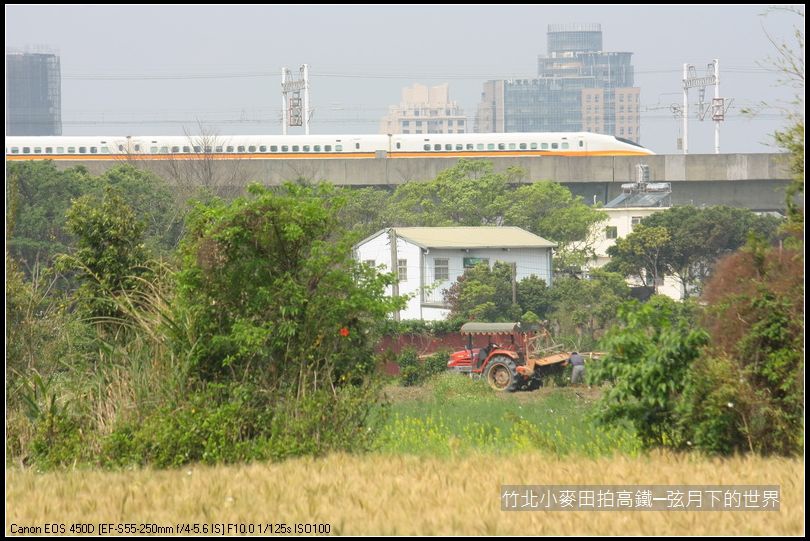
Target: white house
x,y
430,259
638,201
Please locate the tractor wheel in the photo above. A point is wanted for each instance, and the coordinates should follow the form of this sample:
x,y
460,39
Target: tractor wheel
x,y
502,374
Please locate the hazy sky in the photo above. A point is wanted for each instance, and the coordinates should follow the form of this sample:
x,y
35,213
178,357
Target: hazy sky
x,y
137,70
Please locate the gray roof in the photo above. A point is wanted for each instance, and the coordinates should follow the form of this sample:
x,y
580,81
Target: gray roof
x,y
643,199
472,237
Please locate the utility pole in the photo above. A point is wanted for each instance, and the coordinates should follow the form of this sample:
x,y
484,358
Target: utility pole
x,y
392,237
514,283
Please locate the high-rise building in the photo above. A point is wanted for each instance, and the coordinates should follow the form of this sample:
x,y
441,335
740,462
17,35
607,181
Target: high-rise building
x,y
425,110
33,94
578,87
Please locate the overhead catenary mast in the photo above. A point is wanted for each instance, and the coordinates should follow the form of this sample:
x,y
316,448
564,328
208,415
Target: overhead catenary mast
x,y
295,108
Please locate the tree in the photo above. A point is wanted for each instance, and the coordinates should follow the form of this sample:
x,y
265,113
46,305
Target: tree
x,y
110,253
747,392
38,198
549,210
483,294
685,242
639,254
274,295
467,194
647,361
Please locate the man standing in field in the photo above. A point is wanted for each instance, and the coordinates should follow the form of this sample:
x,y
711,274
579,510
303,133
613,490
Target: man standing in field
x,y
577,361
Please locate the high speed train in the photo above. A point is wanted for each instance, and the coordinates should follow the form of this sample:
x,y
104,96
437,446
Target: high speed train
x,y
263,147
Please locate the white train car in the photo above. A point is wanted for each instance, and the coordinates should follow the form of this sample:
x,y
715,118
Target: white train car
x,y
320,146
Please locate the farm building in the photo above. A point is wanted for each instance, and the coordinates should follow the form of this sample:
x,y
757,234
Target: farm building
x,y
429,259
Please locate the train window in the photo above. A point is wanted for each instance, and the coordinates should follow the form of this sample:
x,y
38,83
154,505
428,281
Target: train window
x,y
71,150
137,148
490,146
218,149
512,146
104,150
437,147
15,150
153,150
554,145
93,150
317,148
285,148
186,149
581,144
295,148
175,149
60,150
164,150
459,147
240,148
522,146
208,150
565,145
501,146
357,146
273,148
120,148
448,147
399,145
479,146
37,150
533,146
544,146
262,148
26,150
197,149
306,148
327,148
48,150
82,150
470,146
338,148
427,146
252,148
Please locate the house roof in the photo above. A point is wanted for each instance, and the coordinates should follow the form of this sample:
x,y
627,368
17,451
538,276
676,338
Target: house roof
x,y
469,237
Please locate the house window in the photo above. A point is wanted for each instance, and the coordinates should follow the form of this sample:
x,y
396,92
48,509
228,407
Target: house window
x,y
440,269
611,232
402,269
634,221
370,262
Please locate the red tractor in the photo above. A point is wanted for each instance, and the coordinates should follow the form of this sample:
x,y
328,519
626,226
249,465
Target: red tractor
x,y
511,360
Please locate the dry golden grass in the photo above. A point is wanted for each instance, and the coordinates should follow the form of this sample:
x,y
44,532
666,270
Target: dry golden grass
x,y
403,495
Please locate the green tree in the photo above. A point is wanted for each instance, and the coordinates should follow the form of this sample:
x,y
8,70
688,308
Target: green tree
x,y
647,361
639,254
582,309
483,294
274,295
110,255
467,194
550,210
38,198
692,241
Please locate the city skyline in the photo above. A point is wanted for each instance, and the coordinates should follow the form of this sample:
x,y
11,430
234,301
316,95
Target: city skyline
x,y
221,65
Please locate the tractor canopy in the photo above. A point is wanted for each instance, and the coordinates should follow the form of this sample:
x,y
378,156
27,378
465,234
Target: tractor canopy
x,y
475,327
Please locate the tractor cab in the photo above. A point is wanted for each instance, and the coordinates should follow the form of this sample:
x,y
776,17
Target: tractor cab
x,y
506,355
484,342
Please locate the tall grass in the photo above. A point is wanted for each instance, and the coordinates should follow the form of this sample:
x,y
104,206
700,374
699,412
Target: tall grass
x,y
460,415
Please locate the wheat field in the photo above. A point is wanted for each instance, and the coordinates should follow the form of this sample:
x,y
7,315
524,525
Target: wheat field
x,y
380,494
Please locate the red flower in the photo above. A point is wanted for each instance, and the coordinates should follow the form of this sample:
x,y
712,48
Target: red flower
x,y
344,332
